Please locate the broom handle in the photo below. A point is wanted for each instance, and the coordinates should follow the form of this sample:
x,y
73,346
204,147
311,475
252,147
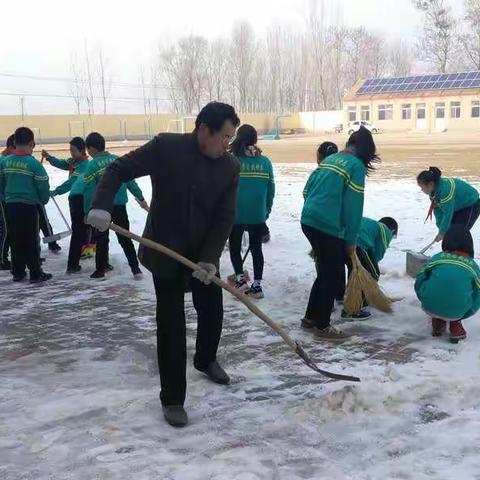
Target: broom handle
x,y
193,266
428,247
62,215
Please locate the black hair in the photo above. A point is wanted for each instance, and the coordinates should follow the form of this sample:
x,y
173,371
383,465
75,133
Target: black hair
x,y
78,142
23,136
11,141
458,239
433,174
215,114
96,141
325,150
365,148
246,137
390,223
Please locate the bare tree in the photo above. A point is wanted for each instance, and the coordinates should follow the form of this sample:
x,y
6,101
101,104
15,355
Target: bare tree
x,y
216,70
400,59
470,40
77,87
155,86
89,98
242,58
437,44
145,95
104,76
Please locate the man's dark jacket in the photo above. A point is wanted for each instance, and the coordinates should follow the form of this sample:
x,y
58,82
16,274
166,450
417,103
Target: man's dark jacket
x,y
193,205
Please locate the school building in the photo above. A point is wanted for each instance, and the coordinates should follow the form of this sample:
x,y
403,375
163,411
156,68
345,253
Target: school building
x,y
429,103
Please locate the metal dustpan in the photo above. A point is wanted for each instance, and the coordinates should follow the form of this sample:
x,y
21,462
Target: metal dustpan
x,y
54,237
417,260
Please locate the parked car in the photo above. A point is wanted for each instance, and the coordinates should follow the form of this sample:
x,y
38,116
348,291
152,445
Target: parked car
x,y
354,126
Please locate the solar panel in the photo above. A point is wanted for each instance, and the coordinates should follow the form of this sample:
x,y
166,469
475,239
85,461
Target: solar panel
x,y
447,81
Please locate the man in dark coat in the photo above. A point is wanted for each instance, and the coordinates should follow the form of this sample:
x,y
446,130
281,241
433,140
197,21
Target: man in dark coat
x,y
193,209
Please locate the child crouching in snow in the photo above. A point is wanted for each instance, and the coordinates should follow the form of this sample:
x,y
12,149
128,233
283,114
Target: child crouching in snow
x,y
449,285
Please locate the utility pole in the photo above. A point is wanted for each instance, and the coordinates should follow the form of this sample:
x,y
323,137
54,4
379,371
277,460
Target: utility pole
x,y
22,107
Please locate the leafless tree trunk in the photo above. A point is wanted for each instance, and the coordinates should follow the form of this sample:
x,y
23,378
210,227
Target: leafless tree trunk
x,y
438,42
400,59
104,76
77,88
89,98
146,97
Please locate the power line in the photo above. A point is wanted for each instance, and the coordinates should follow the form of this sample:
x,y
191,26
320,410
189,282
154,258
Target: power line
x,y
83,82
54,95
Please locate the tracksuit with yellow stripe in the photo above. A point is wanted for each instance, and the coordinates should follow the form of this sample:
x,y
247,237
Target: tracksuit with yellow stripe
x,y
330,220
23,187
454,201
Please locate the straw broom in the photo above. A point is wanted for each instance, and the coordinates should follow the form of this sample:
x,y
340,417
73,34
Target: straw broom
x,y
362,285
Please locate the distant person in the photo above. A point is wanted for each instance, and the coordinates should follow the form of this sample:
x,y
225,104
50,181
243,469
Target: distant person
x,y
194,182
101,159
449,285
453,201
255,200
4,240
76,166
331,219
24,187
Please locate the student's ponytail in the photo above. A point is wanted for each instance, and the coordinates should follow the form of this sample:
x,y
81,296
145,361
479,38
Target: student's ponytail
x,y
433,174
325,150
364,146
246,137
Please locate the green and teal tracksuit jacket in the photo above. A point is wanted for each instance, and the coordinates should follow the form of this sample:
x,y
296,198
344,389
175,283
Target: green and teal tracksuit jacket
x,y
76,169
23,180
95,169
334,197
450,196
374,237
449,286
256,190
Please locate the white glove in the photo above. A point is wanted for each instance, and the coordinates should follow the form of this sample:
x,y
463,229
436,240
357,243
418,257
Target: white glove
x,y
99,219
207,272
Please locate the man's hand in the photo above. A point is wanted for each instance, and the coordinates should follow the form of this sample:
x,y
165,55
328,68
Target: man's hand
x,y
99,219
206,274
351,249
439,238
143,204
45,154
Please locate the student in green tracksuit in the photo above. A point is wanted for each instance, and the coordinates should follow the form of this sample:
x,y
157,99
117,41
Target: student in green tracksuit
x,y
453,201
76,166
331,219
95,144
4,240
23,187
254,203
449,285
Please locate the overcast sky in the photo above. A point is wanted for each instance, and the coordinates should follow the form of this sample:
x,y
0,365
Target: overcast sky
x,y
40,39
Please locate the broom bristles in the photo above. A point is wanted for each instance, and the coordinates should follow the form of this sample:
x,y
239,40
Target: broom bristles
x,y
362,283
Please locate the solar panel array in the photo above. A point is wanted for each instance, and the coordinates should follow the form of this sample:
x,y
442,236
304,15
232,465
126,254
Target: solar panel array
x,y
446,81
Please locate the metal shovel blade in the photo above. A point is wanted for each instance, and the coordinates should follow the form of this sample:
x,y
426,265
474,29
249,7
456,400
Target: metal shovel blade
x,y
56,237
415,263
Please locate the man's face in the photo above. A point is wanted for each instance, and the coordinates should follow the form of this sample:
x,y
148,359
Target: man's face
x,y
215,144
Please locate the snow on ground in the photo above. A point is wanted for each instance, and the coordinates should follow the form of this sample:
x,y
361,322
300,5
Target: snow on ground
x,y
79,381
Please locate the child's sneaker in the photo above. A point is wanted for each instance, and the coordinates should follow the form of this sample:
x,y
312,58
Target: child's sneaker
x,y
54,247
307,323
438,327
241,284
330,333
361,315
137,273
98,275
255,291
457,332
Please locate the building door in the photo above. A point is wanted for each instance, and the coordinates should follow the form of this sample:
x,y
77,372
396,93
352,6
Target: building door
x,y
440,116
421,116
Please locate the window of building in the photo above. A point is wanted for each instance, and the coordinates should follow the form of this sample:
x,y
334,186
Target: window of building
x,y
365,113
421,111
385,112
406,111
455,110
440,110
476,109
352,114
